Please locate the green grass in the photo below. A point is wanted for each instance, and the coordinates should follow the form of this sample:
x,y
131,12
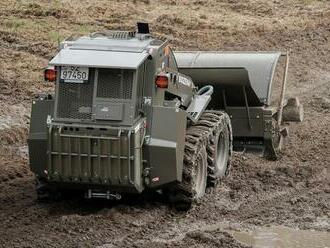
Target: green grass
x,y
16,24
13,24
309,2
83,29
55,36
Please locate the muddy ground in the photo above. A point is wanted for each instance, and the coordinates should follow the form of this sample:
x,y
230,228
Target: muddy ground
x,y
293,191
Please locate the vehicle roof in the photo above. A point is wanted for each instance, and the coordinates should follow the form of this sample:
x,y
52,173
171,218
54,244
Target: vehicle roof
x,y
106,50
103,43
99,58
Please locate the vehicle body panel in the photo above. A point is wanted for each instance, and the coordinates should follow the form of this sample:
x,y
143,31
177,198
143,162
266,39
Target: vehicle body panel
x,y
119,132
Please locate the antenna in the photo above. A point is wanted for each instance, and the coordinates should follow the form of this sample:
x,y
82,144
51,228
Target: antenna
x,y
57,3
143,28
58,33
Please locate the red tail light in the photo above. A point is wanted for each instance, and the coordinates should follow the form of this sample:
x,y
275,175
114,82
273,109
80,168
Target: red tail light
x,y
50,74
162,81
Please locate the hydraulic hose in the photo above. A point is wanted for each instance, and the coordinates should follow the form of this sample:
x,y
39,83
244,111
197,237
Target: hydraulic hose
x,y
205,90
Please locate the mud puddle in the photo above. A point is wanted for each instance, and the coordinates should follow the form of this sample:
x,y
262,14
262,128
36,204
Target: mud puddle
x,y
279,236
250,236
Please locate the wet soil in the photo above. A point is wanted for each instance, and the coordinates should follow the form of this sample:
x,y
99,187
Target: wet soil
x,y
279,236
293,191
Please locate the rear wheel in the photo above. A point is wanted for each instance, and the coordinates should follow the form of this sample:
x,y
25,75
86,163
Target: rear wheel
x,y
194,175
44,192
206,157
198,179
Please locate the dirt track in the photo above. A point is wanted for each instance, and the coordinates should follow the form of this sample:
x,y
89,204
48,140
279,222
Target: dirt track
x,y
294,191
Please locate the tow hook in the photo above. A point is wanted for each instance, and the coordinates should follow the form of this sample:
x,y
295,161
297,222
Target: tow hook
x,y
103,195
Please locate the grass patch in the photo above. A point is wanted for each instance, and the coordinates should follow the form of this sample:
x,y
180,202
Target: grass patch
x,y
15,24
55,36
309,2
83,29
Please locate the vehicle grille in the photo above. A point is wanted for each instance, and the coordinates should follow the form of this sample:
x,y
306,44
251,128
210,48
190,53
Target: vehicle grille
x,y
115,83
75,100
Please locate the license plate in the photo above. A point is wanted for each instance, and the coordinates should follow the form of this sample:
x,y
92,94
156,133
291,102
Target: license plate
x,y
74,74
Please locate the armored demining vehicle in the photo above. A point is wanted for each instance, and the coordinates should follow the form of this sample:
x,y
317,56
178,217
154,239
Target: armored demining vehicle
x,y
129,114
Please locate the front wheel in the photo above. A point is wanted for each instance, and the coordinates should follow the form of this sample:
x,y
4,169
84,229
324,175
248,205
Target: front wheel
x,y
219,145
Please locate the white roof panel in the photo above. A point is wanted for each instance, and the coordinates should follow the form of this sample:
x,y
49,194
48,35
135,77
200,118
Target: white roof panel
x,y
97,58
101,43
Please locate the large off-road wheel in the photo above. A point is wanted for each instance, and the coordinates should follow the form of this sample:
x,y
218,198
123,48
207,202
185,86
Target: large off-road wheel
x,y
194,174
206,157
219,146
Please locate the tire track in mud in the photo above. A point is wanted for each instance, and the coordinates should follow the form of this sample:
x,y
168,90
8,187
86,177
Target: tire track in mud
x,y
271,194
143,232
14,120
13,164
251,208
176,234
197,231
13,136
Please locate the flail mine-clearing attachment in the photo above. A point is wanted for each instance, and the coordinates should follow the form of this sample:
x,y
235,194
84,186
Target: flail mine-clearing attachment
x,y
243,83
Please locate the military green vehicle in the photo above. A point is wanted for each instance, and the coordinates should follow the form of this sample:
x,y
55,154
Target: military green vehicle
x,y
130,115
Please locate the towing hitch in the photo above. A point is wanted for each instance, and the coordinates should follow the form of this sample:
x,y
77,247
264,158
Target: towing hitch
x,y
103,195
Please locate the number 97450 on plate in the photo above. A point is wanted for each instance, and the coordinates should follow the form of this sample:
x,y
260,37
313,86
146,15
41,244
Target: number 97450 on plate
x,y
74,74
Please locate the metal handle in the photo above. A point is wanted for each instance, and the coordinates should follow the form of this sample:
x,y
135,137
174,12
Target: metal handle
x,y
87,137
281,103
